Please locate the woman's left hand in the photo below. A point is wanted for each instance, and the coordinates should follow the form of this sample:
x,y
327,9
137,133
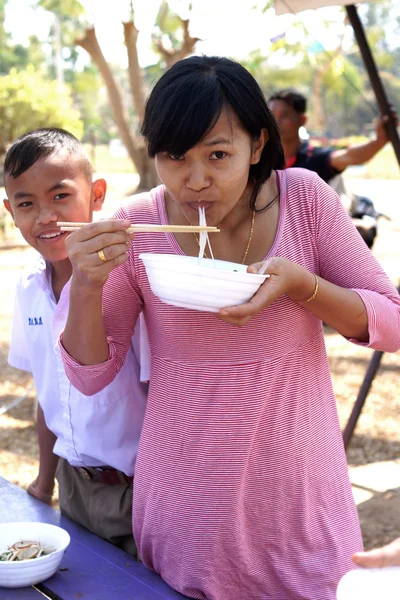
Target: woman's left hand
x,y
285,277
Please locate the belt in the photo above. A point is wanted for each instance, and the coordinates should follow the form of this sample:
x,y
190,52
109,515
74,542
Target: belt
x,y
106,475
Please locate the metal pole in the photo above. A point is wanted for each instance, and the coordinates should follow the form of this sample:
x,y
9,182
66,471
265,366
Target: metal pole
x,y
384,107
373,74
362,396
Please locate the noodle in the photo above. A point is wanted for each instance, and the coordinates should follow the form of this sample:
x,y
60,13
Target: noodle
x,y
203,237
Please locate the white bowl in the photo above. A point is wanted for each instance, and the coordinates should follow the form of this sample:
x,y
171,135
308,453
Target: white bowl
x,y
370,584
199,284
35,570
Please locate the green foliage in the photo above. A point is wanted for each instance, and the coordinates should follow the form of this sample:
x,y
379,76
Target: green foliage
x,y
28,101
11,55
63,8
271,77
168,27
86,86
343,78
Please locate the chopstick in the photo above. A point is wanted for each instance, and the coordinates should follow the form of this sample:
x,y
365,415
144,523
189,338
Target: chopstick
x,y
146,228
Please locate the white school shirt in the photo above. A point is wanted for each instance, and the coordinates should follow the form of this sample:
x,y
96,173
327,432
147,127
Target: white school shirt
x,y
98,430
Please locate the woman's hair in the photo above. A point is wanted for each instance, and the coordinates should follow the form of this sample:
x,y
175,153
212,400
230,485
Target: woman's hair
x,y
187,100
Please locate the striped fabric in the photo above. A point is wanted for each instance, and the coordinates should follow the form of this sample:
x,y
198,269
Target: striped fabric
x,y
241,483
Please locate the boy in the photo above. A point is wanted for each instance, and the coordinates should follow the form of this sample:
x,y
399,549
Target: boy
x,y
92,442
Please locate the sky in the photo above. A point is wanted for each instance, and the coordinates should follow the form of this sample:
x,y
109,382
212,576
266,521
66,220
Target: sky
x,y
225,27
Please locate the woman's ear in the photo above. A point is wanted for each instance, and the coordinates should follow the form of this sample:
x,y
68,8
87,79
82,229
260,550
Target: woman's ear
x,y
99,189
258,146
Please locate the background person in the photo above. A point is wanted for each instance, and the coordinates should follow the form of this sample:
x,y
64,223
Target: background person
x,y
289,108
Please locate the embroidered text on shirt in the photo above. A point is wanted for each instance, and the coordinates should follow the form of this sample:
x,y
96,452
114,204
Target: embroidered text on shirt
x,y
35,321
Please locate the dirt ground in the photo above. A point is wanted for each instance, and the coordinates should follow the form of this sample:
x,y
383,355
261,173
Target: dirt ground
x,y
376,440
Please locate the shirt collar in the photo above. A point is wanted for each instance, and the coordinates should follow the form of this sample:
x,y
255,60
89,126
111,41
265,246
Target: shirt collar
x,y
41,271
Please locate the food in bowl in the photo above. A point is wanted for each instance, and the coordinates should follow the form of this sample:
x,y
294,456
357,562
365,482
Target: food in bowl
x,y
29,570
25,550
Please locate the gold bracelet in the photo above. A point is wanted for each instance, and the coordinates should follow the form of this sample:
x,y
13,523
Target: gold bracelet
x,y
315,292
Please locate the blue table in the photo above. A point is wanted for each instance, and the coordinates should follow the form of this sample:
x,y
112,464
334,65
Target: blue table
x,y
91,569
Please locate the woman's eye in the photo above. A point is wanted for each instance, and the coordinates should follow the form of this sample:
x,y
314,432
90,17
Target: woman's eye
x,y
175,156
217,155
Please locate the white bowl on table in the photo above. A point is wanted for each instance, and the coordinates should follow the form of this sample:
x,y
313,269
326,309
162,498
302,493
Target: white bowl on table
x,y
29,572
199,284
370,584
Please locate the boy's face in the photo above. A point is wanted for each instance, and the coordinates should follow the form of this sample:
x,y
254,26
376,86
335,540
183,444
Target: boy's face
x,y
288,120
55,188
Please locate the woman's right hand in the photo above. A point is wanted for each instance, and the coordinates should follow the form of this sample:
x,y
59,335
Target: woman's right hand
x,y
97,248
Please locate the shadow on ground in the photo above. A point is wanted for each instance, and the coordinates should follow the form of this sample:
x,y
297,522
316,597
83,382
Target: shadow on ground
x,y
383,512
365,449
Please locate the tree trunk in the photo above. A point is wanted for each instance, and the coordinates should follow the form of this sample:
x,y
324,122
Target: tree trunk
x,y
136,79
58,53
148,176
148,173
135,147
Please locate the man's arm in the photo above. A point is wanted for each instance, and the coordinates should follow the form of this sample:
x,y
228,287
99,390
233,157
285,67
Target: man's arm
x,y
362,153
43,486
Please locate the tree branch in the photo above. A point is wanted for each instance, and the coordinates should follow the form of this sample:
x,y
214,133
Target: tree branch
x,y
90,43
136,79
171,56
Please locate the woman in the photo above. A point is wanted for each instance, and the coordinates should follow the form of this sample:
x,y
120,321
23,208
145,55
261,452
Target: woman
x,y
241,485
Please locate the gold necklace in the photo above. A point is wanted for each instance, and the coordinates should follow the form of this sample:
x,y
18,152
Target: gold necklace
x,y
248,243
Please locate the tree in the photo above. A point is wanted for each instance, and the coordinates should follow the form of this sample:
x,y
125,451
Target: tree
x,y
181,44
14,55
66,14
28,101
327,78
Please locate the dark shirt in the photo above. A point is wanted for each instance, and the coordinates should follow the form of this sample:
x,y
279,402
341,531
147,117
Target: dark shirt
x,y
314,159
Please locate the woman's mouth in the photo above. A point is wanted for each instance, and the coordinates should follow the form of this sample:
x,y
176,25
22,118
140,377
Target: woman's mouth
x,y
196,205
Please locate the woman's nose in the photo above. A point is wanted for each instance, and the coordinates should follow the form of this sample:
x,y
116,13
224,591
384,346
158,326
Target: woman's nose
x,y
197,178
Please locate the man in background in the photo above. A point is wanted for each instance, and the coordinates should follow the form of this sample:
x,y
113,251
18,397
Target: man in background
x,y
290,111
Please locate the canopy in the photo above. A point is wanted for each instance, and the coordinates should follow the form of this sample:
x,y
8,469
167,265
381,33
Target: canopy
x,y
294,6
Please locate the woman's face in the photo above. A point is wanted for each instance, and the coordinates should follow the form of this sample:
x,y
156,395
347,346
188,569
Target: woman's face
x,y
214,173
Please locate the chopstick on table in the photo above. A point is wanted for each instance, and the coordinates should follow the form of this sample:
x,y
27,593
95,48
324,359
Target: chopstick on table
x,y
146,228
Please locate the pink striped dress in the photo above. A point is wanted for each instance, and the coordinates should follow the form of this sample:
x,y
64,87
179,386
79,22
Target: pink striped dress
x,y
241,483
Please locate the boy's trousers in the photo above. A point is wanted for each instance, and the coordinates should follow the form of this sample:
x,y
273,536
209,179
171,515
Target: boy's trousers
x,y
101,501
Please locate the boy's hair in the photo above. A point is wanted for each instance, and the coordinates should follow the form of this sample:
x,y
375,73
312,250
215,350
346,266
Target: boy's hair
x,y
188,99
296,100
39,143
